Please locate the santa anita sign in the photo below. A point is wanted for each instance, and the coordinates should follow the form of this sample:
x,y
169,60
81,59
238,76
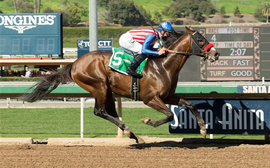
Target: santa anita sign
x,y
253,89
224,117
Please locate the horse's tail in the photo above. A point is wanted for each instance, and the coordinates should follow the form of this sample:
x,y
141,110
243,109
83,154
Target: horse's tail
x,y
48,84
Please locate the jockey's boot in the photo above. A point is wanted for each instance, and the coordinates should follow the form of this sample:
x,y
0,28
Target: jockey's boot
x,y
132,69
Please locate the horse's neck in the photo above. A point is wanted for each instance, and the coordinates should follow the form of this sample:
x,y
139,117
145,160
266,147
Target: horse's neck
x,y
181,44
174,62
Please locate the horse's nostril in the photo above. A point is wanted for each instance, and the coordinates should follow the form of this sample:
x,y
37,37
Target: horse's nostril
x,y
217,55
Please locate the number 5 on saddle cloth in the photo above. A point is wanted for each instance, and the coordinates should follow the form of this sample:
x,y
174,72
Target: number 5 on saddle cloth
x,y
120,61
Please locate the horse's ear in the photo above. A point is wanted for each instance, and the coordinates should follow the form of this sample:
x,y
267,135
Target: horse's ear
x,y
189,30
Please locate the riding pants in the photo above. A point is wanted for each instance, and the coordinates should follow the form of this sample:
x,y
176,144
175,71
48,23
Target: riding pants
x,y
128,43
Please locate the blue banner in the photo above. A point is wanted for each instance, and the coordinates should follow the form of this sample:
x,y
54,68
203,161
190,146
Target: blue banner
x,y
224,117
103,45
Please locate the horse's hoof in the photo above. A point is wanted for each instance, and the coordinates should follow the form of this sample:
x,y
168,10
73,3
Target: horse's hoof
x,y
140,141
203,133
146,120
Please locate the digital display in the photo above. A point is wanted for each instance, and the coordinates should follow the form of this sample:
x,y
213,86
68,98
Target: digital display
x,y
28,45
243,53
30,34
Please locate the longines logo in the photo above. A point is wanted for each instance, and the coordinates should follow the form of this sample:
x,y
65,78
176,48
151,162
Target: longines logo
x,y
21,23
80,43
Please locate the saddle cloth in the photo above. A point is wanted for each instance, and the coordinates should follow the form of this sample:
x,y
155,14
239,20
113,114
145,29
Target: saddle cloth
x,y
120,61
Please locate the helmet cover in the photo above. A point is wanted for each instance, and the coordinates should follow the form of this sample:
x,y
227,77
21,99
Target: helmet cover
x,y
165,26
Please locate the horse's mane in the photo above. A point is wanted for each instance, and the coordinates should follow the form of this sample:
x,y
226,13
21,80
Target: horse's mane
x,y
168,41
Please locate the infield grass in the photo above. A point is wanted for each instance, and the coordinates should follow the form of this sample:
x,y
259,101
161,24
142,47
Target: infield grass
x,y
44,123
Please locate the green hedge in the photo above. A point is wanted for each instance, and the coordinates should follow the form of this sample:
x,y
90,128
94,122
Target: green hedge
x,y
103,32
72,34
13,79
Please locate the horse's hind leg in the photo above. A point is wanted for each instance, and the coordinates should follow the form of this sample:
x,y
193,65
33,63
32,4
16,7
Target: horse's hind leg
x,y
98,86
106,102
176,100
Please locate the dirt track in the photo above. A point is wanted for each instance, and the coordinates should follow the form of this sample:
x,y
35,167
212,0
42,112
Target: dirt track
x,y
160,154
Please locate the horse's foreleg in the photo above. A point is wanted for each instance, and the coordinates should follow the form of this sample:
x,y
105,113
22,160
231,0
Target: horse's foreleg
x,y
176,100
157,104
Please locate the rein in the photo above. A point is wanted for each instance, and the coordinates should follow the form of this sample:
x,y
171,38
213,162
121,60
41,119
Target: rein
x,y
204,55
186,53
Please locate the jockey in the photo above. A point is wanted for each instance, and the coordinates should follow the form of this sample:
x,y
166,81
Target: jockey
x,y
140,41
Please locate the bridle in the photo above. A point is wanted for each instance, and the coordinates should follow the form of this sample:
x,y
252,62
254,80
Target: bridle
x,y
203,48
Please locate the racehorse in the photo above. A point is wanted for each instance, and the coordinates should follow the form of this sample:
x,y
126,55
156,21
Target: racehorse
x,y
157,87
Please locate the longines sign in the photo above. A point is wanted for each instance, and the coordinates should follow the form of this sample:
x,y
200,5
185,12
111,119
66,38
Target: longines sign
x,y
20,23
31,34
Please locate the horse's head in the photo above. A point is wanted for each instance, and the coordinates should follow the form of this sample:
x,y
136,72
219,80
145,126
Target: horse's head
x,y
207,49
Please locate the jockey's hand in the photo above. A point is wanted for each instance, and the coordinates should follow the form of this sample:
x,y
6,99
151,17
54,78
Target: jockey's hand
x,y
162,51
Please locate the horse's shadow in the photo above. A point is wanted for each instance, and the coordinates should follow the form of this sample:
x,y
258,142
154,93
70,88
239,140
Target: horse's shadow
x,y
194,143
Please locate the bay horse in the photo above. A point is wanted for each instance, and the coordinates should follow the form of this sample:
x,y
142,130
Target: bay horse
x,y
157,87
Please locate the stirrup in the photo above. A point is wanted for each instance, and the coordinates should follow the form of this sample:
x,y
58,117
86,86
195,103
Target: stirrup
x,y
133,73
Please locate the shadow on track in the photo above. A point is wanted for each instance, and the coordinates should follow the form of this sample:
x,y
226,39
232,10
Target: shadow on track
x,y
194,143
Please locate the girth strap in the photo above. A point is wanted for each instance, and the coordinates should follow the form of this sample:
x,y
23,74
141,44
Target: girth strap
x,y
135,89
